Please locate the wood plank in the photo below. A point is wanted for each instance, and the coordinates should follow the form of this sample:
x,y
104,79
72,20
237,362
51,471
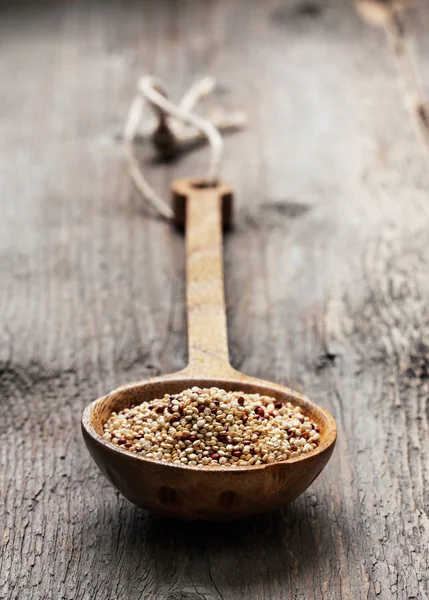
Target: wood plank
x,y
326,291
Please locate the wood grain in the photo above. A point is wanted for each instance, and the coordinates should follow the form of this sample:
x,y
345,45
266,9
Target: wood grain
x,y
326,286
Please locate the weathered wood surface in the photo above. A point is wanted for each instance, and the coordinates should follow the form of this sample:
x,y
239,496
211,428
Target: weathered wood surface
x,y
327,291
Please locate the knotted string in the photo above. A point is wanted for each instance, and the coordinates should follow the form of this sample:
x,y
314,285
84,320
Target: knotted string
x,y
169,130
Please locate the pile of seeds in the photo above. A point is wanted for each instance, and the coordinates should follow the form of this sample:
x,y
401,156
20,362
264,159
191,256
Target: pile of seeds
x,y
211,428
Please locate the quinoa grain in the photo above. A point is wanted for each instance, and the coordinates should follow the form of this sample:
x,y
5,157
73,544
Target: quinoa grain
x,y
211,427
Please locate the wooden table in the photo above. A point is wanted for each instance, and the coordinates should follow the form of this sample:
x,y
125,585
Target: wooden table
x,y
327,288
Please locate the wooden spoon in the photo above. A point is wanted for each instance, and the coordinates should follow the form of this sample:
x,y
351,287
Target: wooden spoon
x,y
214,493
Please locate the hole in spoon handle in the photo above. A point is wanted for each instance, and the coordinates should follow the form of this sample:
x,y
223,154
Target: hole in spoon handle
x,y
202,208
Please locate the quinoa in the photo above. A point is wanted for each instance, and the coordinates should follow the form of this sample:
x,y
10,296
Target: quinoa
x,y
212,428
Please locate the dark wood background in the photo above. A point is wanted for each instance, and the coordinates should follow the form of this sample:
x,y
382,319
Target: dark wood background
x,y
327,290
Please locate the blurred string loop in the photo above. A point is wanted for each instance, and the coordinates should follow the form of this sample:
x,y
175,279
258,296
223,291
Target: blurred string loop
x,y
173,127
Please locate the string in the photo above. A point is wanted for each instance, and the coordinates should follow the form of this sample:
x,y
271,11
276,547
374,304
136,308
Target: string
x,y
151,91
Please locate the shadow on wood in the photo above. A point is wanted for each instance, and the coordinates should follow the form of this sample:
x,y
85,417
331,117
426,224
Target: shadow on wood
x,y
185,555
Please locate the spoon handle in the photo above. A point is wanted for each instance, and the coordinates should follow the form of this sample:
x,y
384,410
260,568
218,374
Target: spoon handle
x,y
203,210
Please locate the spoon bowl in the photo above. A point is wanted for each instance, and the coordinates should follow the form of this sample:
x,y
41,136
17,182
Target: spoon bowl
x,y
213,493
216,494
